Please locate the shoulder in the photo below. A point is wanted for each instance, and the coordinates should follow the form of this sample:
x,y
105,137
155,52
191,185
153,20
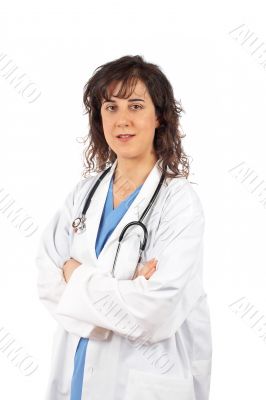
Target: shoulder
x,y
181,195
84,184
79,191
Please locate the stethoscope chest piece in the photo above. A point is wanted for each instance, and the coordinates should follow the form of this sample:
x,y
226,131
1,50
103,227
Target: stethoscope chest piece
x,y
79,224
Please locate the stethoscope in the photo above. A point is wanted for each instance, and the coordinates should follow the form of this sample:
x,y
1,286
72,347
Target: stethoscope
x,y
80,227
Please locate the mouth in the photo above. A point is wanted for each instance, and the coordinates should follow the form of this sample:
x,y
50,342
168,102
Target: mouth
x,y
124,137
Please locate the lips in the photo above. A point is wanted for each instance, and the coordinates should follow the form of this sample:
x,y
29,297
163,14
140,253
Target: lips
x,y
124,138
124,135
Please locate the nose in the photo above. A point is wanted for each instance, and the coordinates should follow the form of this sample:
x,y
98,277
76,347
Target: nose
x,y
123,118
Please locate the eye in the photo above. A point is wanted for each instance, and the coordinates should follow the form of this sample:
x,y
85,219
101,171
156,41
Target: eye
x,y
133,105
108,107
137,105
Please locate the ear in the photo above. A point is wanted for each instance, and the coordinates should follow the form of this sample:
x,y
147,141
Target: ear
x,y
157,123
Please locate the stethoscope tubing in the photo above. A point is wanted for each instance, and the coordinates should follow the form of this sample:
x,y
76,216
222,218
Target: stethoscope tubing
x,y
81,220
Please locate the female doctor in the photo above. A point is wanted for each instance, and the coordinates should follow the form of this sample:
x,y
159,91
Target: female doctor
x,y
120,263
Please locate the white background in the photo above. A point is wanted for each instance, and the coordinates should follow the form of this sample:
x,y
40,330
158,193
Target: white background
x,y
222,88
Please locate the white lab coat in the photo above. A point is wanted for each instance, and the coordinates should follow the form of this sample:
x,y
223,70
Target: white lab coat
x,y
148,339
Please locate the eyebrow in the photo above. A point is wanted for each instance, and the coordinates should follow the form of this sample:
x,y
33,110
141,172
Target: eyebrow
x,y
113,101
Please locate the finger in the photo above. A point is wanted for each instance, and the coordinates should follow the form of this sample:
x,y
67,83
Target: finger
x,y
150,264
147,267
151,271
138,270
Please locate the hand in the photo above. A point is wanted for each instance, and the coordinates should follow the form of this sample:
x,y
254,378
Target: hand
x,y
69,267
147,269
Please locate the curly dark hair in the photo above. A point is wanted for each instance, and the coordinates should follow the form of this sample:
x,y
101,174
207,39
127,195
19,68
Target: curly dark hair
x,y
167,139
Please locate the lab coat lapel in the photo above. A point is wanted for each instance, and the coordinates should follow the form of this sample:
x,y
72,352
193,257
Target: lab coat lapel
x,y
83,244
94,213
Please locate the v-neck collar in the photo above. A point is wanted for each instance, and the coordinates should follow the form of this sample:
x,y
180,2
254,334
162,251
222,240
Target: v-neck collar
x,y
110,196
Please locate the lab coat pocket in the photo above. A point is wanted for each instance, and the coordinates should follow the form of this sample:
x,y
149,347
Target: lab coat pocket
x,y
148,386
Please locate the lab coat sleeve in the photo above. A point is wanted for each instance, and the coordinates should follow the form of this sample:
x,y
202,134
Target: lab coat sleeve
x,y
153,309
52,252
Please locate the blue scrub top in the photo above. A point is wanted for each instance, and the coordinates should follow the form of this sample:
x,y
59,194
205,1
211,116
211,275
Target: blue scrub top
x,y
109,220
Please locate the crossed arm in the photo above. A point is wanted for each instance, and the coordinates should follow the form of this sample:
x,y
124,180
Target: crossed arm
x,y
146,270
81,298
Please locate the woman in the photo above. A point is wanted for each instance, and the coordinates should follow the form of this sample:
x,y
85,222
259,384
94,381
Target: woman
x,y
131,324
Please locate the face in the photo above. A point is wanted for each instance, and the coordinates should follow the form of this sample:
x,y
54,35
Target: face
x,y
135,116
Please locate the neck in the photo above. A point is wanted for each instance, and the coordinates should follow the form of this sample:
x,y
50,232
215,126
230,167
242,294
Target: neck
x,y
132,172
